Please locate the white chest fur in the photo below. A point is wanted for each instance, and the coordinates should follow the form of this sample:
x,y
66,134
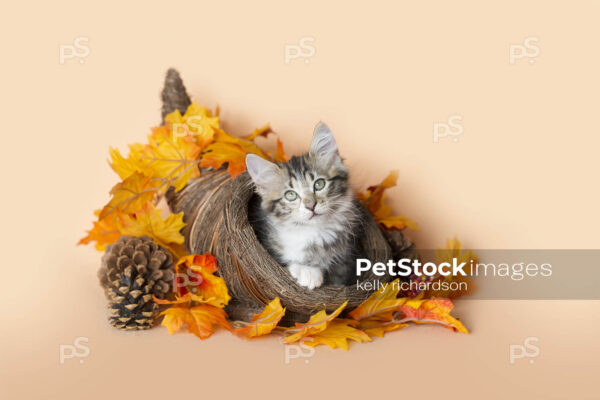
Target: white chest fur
x,y
295,240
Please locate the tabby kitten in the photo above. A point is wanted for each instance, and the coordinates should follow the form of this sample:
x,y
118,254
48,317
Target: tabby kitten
x,y
305,214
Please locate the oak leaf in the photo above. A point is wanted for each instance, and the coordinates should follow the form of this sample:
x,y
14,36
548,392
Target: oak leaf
x,y
263,323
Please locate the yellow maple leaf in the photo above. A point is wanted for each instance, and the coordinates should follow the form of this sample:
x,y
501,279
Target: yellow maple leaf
x,y
126,166
376,313
373,200
130,195
376,327
200,320
453,249
149,221
247,146
337,333
197,124
166,159
316,323
173,161
263,323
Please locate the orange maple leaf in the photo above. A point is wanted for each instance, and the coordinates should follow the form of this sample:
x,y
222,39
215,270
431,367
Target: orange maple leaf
x,y
195,280
264,132
200,320
220,153
430,311
373,200
103,232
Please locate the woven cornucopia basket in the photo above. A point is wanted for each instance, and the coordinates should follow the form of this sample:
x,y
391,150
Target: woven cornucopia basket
x,y
215,210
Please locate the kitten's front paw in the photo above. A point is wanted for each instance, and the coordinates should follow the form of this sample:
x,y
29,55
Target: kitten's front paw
x,y
295,270
309,277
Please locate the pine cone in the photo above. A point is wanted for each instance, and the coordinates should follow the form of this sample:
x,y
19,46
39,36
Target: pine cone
x,y
133,270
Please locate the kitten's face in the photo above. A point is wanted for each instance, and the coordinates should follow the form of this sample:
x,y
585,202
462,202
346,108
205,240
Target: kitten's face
x,y
308,189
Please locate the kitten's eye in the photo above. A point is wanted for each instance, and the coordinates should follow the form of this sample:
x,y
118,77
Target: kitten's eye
x,y
319,184
290,195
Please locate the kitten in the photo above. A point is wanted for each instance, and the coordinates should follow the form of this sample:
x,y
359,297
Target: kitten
x,y
305,213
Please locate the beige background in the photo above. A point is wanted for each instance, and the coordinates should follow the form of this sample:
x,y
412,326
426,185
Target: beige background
x,y
524,174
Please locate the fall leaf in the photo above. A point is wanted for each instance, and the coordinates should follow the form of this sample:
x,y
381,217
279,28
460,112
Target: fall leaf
x,y
397,222
200,320
384,312
196,125
231,150
380,304
376,313
430,311
264,132
317,323
337,334
220,153
148,221
373,200
204,287
280,154
263,323
167,160
103,232
246,145
453,250
130,195
173,161
378,328
126,166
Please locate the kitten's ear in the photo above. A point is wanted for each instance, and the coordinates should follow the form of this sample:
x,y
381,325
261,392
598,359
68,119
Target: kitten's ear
x,y
323,146
265,174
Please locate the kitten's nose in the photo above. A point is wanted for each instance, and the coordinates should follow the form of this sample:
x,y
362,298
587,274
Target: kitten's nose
x,y
309,204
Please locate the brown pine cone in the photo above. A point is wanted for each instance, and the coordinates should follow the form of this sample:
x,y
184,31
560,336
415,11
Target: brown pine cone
x,y
133,270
